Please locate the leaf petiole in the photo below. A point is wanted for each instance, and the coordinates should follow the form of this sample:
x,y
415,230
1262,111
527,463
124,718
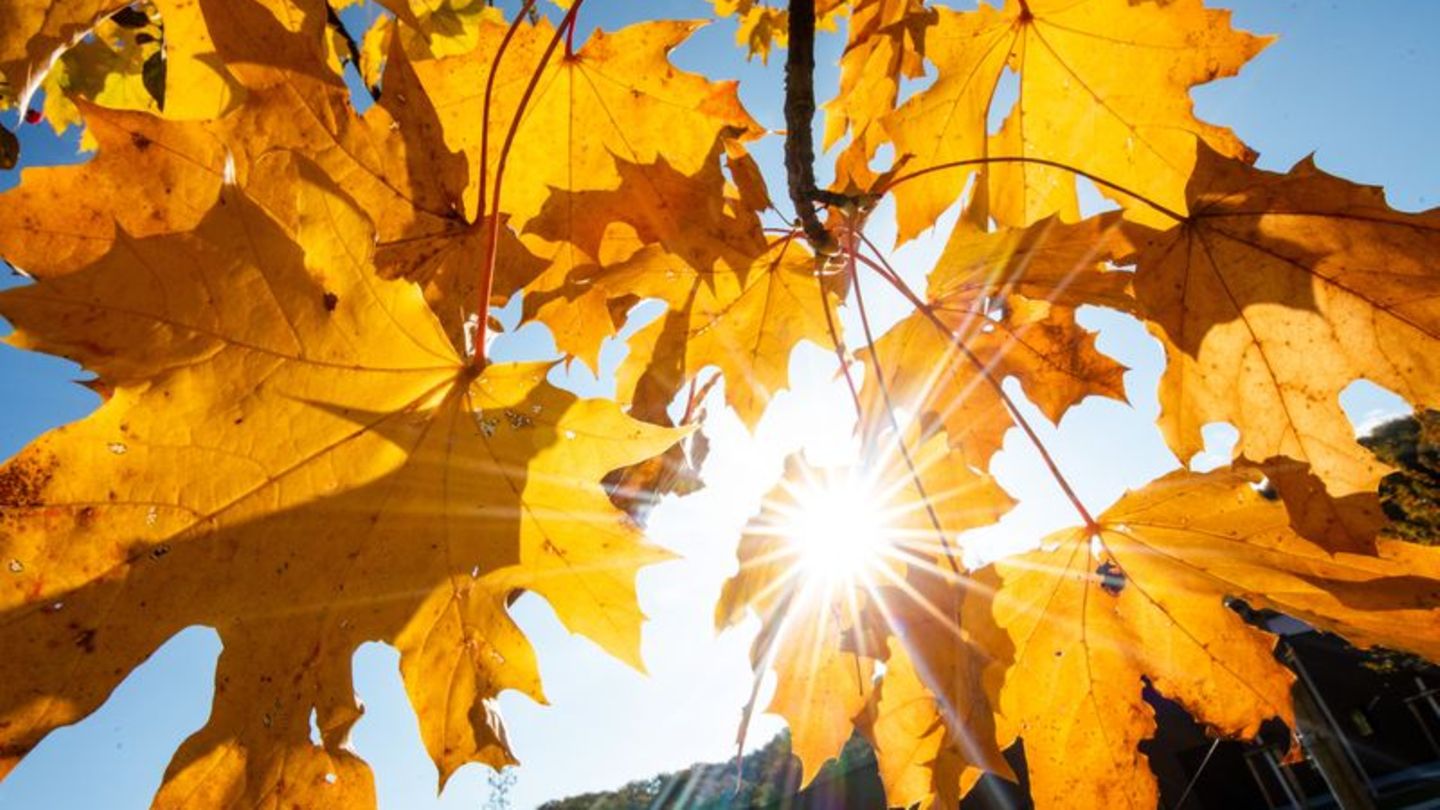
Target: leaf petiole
x,y
883,269
983,161
492,238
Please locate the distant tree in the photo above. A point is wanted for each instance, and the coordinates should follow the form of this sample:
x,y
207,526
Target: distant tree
x,y
769,777
500,782
1411,494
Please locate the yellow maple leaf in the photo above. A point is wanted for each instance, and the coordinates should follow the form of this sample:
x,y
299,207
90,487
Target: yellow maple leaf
x,y
136,162
439,28
1145,597
745,323
1276,293
885,41
933,724
294,454
617,95
615,101
816,598
762,26
1103,88
657,221
35,36
1002,305
107,68
392,161
33,32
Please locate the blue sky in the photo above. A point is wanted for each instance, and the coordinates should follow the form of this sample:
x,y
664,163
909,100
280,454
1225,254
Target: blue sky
x,y
1351,80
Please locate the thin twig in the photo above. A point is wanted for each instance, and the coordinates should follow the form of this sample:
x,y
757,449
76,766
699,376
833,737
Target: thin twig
x,y
904,178
851,252
838,341
769,644
697,395
570,39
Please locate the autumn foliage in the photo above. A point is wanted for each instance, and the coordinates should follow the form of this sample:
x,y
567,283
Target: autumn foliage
x,y
304,444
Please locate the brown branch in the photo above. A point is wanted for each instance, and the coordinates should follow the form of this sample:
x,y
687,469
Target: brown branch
x,y
799,116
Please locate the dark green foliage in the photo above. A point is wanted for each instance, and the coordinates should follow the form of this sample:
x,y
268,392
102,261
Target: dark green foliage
x,y
770,779
1411,494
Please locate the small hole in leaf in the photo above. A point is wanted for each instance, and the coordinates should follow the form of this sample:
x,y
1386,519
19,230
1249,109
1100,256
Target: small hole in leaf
x,y
1112,579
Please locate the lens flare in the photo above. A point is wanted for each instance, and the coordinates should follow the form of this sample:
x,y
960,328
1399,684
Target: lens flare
x,y
837,529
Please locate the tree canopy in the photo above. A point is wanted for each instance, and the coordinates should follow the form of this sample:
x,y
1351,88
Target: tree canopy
x,y
305,443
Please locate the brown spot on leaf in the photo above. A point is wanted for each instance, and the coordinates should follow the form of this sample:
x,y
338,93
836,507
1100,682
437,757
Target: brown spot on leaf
x,y
23,480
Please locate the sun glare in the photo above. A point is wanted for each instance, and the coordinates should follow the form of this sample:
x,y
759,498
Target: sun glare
x,y
838,528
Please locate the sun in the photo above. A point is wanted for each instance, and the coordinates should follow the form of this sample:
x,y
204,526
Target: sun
x,y
837,528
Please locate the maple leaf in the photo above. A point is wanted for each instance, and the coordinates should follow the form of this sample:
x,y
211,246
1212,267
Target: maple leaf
x,y
36,37
655,234
1002,305
393,160
113,67
615,102
294,454
1277,292
744,323
885,41
639,488
1144,598
814,633
618,95
136,162
411,186
822,687
440,28
33,31
762,26
1103,88
933,725
737,300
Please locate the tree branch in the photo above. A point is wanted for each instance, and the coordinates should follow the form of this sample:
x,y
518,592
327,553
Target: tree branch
x,y
799,115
